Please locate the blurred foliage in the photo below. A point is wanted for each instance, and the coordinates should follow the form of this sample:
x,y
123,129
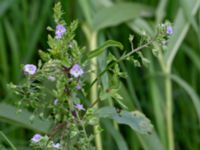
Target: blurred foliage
x,y
23,31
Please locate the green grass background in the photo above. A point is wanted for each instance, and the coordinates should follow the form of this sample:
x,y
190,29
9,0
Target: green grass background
x,y
23,31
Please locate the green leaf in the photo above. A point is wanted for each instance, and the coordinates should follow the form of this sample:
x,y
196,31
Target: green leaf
x,y
150,141
187,7
161,11
101,49
136,120
14,46
9,114
8,141
141,26
87,11
195,98
5,5
119,13
119,139
36,31
194,57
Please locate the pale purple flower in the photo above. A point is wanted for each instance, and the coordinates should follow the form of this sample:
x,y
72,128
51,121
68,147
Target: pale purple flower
x,y
36,138
76,71
30,69
51,78
169,30
79,107
55,102
78,87
60,30
56,145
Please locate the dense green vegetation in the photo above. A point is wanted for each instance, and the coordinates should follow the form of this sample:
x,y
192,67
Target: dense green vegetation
x,y
165,89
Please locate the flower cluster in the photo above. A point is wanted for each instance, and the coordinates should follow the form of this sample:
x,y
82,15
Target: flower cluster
x,y
37,138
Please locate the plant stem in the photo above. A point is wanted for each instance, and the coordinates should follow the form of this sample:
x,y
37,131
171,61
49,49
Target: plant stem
x,y
84,129
169,102
138,49
93,91
169,110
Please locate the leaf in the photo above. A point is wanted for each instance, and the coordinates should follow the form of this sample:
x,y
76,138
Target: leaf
x,y
119,13
9,113
8,141
187,7
181,27
195,98
136,120
192,55
141,26
150,141
5,5
36,31
14,46
161,10
86,8
100,50
117,136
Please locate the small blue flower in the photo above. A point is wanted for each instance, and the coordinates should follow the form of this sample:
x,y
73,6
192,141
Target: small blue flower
x,y
78,87
30,69
79,107
36,138
76,71
56,145
169,30
60,30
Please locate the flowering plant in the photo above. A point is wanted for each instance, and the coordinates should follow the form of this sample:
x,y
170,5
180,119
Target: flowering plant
x,y
57,88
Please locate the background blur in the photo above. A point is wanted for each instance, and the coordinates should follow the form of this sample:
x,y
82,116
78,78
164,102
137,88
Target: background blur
x,y
23,31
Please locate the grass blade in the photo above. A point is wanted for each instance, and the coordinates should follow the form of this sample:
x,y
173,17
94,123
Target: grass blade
x,y
86,8
116,135
15,55
36,30
123,12
5,5
195,98
8,141
160,11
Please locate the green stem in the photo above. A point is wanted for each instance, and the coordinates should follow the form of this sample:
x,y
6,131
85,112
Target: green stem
x,y
84,130
169,102
137,49
169,110
93,91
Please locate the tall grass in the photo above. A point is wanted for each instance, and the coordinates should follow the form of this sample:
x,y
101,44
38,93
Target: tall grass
x,y
166,91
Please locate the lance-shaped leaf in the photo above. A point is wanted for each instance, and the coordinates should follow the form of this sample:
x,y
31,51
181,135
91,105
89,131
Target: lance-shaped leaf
x,y
136,120
9,114
119,13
